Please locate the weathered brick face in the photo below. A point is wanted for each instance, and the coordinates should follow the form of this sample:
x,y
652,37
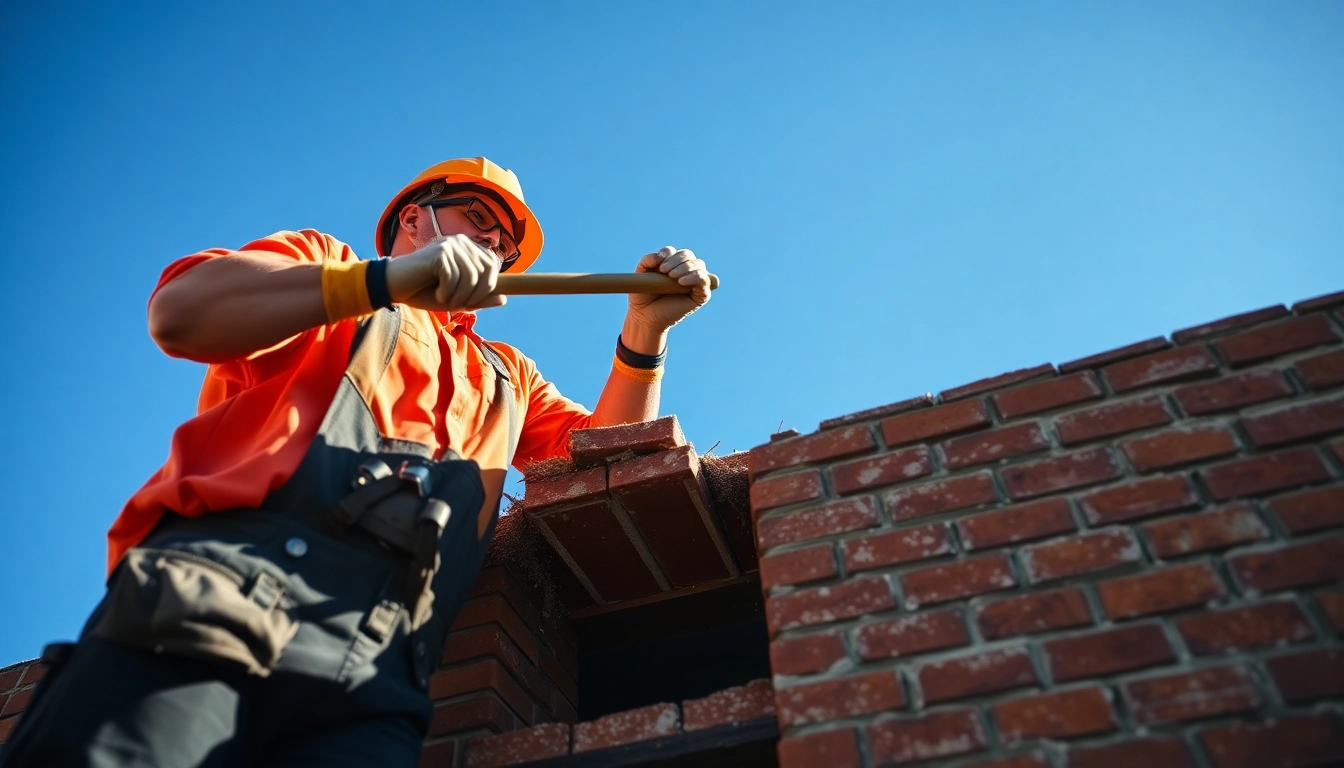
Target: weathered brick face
x,y
1133,559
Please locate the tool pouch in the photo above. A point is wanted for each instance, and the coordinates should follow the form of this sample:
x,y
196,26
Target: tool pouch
x,y
183,604
408,511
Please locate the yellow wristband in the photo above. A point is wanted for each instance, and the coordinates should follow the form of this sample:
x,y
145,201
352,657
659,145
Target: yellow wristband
x,y
345,290
648,375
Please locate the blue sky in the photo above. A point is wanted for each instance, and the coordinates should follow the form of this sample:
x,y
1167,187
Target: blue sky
x,y
899,197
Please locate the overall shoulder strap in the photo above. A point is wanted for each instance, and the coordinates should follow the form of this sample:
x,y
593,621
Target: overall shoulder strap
x,y
504,386
371,352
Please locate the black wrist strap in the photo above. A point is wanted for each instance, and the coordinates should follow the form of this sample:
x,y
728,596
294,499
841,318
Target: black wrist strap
x,y
635,359
375,279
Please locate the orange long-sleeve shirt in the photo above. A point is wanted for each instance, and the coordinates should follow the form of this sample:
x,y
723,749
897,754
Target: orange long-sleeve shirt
x,y
256,416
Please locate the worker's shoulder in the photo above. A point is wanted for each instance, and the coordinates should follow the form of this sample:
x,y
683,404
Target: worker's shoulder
x,y
306,244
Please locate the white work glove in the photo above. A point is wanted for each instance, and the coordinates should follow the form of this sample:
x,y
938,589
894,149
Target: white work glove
x,y
450,275
658,312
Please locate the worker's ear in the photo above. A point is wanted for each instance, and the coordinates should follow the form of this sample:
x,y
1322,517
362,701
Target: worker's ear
x,y
411,219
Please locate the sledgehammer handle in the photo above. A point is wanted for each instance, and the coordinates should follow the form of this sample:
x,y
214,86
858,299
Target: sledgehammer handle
x,y
580,282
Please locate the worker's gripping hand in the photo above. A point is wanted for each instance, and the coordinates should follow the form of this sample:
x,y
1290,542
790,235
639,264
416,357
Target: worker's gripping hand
x,y
660,312
450,275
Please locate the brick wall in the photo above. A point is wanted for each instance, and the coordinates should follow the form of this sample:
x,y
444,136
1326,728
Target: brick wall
x,y
1131,559
507,665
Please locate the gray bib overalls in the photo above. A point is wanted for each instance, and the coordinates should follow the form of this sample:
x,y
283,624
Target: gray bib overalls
x,y
302,632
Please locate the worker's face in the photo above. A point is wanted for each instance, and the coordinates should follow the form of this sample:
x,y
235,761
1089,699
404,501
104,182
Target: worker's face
x,y
454,220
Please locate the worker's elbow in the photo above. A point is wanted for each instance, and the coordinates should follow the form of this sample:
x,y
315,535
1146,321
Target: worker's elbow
x,y
171,323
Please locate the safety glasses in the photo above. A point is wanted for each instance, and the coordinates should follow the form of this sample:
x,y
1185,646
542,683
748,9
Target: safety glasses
x,y
481,217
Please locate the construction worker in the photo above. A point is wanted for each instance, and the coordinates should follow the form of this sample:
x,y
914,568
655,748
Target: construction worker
x,y
279,591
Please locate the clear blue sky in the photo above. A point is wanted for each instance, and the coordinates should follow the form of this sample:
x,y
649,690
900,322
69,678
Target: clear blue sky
x,y
900,197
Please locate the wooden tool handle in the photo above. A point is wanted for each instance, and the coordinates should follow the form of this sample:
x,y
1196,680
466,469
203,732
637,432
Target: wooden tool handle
x,y
581,282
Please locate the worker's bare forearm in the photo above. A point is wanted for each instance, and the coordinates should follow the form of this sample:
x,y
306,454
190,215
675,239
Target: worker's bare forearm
x,y
232,306
625,400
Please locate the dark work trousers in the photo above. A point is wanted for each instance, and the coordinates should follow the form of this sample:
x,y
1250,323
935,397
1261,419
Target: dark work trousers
x,y
350,687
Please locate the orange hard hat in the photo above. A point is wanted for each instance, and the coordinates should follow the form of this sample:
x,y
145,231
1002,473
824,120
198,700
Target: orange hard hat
x,y
479,172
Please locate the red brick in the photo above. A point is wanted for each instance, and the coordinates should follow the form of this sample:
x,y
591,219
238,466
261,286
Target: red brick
x,y
586,486
798,566
1332,604
788,489
588,447
785,435
1309,675
1325,301
1164,367
995,382
841,697
1157,591
1162,752
492,609
941,496
992,446
16,702
1056,715
1229,323
1141,498
598,546
1179,446
36,671
822,605
1048,395
1232,392
997,670
665,496
1264,474
485,675
938,421
1029,760
1060,473
1217,529
1111,419
883,469
1278,339
471,714
7,728
894,547
890,409
627,727
909,635
433,754
815,522
1337,448
491,641
1116,355
935,735
817,447
536,743
1102,653
965,578
834,749
1080,554
733,705
1296,422
1023,522
1297,565
1034,612
1323,370
1190,695
1311,510
9,678
1287,742
497,580
806,654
